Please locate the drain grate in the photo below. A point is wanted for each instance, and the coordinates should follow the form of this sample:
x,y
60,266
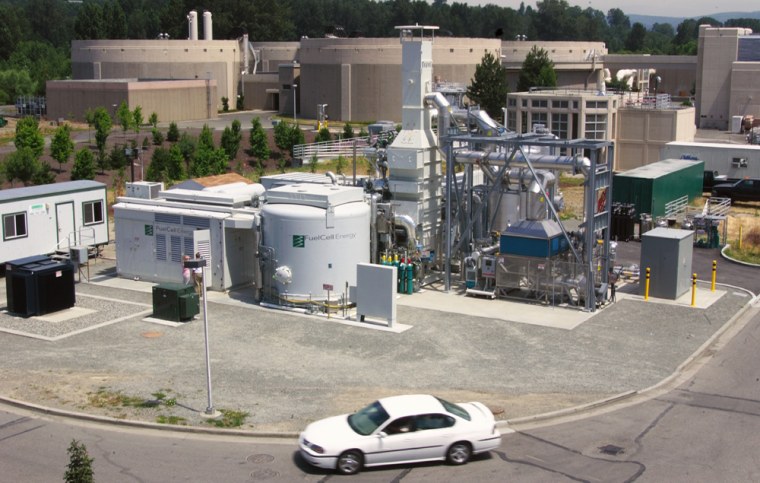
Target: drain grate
x,y
260,458
611,450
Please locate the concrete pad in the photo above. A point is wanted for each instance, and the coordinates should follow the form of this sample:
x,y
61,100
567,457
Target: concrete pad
x,y
435,298
704,297
64,315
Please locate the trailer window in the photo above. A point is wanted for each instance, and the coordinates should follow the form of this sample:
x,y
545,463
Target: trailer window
x,y
93,212
14,226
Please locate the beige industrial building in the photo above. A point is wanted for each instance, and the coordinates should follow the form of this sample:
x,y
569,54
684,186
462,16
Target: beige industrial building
x,y
575,63
176,100
728,76
640,125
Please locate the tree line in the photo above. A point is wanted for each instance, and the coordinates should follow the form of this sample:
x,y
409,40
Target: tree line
x,y
36,35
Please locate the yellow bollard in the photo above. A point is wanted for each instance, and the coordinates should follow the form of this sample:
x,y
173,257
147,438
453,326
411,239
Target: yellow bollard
x,y
693,289
715,270
646,285
740,236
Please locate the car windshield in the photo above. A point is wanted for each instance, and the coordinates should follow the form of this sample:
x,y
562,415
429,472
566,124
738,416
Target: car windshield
x,y
367,420
454,409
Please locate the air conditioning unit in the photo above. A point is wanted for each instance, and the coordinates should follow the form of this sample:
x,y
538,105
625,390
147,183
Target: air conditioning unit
x,y
146,190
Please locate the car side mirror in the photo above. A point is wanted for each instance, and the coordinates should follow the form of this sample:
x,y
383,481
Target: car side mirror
x,y
382,434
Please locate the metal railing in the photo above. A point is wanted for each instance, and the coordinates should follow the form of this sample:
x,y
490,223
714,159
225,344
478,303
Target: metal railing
x,y
333,149
676,207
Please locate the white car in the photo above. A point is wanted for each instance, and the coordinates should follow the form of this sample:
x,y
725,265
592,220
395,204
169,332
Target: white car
x,y
400,429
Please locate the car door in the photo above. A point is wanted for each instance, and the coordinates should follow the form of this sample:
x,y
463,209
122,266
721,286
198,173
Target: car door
x,y
435,432
394,443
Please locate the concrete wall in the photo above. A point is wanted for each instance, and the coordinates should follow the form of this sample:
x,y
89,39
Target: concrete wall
x,y
360,79
744,98
642,133
573,61
179,100
160,59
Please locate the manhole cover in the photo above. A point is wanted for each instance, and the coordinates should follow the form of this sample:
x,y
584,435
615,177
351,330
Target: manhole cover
x,y
260,458
611,450
264,474
152,334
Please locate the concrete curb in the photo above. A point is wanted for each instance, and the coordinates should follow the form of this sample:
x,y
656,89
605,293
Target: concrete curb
x,y
746,264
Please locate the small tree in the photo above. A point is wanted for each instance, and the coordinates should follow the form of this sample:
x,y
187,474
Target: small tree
x,y
537,71
43,175
158,136
103,125
137,119
79,469
187,145
172,135
28,135
124,115
61,145
175,168
348,131
240,104
259,143
313,163
231,138
206,138
488,87
363,132
225,104
84,165
340,164
153,120
323,135
21,165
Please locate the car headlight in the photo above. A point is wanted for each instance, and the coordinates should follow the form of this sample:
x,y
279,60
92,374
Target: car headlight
x,y
314,447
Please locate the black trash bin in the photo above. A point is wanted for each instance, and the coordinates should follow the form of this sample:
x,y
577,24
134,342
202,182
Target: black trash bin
x,y
39,285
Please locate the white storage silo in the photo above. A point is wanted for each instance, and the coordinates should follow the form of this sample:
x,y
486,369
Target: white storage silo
x,y
208,30
319,234
192,25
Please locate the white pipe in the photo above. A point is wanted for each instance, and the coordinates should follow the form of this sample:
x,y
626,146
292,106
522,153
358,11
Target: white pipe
x,y
332,177
541,161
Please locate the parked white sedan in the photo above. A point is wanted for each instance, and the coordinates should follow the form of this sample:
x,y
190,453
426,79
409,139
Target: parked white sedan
x,y
400,429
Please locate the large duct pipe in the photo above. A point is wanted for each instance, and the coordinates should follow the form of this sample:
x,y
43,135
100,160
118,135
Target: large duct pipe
x,y
540,161
444,112
407,223
373,227
208,30
192,25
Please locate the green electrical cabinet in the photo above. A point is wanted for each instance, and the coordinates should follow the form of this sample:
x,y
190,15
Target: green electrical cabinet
x,y
650,187
175,302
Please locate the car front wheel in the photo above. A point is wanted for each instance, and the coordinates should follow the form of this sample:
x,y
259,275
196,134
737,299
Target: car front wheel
x,y
459,453
349,463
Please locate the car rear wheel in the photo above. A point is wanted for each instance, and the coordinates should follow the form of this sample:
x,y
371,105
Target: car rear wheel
x,y
459,453
349,463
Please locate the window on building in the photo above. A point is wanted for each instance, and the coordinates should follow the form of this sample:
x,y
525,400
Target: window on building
x,y
14,226
559,125
538,118
93,212
575,104
512,120
525,102
596,126
512,102
596,104
560,104
539,103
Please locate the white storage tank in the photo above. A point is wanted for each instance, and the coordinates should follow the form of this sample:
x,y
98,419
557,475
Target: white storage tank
x,y
319,234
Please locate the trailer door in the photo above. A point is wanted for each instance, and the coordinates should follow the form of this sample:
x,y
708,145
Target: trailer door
x,y
64,221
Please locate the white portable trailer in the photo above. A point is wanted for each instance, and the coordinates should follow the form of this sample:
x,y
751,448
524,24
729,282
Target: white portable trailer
x,y
731,160
40,220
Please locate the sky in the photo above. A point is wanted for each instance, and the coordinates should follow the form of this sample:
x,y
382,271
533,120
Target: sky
x,y
669,8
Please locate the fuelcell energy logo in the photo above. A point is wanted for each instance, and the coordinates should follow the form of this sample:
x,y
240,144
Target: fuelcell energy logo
x,y
299,241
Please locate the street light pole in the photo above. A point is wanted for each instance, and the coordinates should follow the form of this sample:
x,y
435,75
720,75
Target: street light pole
x,y
295,118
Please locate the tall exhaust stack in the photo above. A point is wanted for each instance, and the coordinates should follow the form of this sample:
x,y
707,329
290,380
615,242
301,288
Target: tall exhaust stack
x,y
192,25
416,178
208,33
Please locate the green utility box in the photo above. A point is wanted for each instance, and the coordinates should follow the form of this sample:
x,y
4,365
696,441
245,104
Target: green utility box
x,y
652,186
175,302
